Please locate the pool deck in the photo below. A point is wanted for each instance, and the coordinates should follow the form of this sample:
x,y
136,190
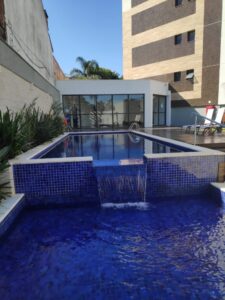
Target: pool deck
x,y
216,141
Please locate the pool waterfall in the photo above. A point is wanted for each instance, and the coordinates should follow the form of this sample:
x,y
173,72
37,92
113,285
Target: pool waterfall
x,y
122,183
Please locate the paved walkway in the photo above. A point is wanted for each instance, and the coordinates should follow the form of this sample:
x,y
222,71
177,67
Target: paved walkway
x,y
216,141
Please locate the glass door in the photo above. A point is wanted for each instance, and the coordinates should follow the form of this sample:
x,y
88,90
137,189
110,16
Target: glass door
x,y
159,110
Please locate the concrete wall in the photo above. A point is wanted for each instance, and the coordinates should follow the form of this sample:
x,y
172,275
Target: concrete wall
x,y
20,92
101,87
26,61
20,83
27,34
185,115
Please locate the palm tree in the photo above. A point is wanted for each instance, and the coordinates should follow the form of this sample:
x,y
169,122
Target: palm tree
x,y
88,69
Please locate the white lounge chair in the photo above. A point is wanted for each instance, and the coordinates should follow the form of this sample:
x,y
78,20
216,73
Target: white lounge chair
x,y
136,123
214,125
209,115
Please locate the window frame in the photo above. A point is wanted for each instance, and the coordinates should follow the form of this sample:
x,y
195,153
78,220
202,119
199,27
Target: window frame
x,y
189,35
175,78
190,71
113,114
178,3
178,39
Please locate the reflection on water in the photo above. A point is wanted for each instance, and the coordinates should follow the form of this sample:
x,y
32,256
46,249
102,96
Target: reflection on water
x,y
108,147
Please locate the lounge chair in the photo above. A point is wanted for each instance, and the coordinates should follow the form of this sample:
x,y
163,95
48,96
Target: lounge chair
x,y
136,123
190,128
211,128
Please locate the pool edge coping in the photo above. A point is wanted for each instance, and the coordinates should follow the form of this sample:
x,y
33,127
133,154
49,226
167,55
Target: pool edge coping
x,y
10,207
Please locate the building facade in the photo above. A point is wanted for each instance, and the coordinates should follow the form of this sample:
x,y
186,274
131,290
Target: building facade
x,y
181,42
115,104
26,60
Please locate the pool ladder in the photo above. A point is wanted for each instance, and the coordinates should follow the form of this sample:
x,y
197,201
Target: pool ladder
x,y
134,125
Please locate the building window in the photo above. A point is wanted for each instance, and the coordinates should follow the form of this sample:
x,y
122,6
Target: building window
x,y
177,76
191,36
178,2
159,110
190,74
178,39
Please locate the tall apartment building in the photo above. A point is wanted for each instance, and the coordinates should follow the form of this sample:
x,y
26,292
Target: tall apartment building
x,y
181,42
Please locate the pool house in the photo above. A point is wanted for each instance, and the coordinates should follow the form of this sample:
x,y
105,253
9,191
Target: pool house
x,y
115,104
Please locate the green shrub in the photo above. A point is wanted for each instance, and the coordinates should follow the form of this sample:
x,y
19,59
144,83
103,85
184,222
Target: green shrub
x,y
29,127
24,130
10,132
3,166
47,126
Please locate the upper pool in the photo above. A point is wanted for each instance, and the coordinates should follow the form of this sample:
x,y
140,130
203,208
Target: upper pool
x,y
109,146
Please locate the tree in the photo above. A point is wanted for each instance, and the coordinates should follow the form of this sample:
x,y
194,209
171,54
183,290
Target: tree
x,y
104,73
88,69
91,70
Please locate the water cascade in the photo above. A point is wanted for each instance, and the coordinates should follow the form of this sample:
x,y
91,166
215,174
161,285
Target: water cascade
x,y
121,184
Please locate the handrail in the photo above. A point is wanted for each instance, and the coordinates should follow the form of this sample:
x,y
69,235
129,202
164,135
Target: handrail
x,y
212,122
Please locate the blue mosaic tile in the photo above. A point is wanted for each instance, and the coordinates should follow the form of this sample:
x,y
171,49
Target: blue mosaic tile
x,y
48,179
173,176
218,195
74,182
60,200
9,220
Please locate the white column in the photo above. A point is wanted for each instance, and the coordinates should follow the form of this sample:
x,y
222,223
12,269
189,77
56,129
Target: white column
x,y
168,109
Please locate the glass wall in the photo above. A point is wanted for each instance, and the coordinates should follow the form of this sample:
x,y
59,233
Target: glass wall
x,y
103,111
71,107
159,110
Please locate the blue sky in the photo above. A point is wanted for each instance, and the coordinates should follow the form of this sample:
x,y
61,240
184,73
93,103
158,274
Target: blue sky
x,y
88,28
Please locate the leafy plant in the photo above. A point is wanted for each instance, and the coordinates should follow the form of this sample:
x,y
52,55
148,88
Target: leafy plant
x,y
29,127
10,125
52,122
3,166
23,130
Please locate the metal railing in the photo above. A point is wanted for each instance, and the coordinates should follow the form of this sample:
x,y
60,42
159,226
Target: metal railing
x,y
197,126
134,125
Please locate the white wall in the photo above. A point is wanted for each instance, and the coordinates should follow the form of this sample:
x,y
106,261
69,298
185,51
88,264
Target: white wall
x,y
159,88
20,92
27,34
126,5
221,100
100,87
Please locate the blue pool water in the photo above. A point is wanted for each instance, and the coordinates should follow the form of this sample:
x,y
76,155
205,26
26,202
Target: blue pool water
x,y
109,147
175,249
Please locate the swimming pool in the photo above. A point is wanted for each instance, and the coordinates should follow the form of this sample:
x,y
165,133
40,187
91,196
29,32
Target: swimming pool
x,y
172,250
121,166
109,146
165,242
